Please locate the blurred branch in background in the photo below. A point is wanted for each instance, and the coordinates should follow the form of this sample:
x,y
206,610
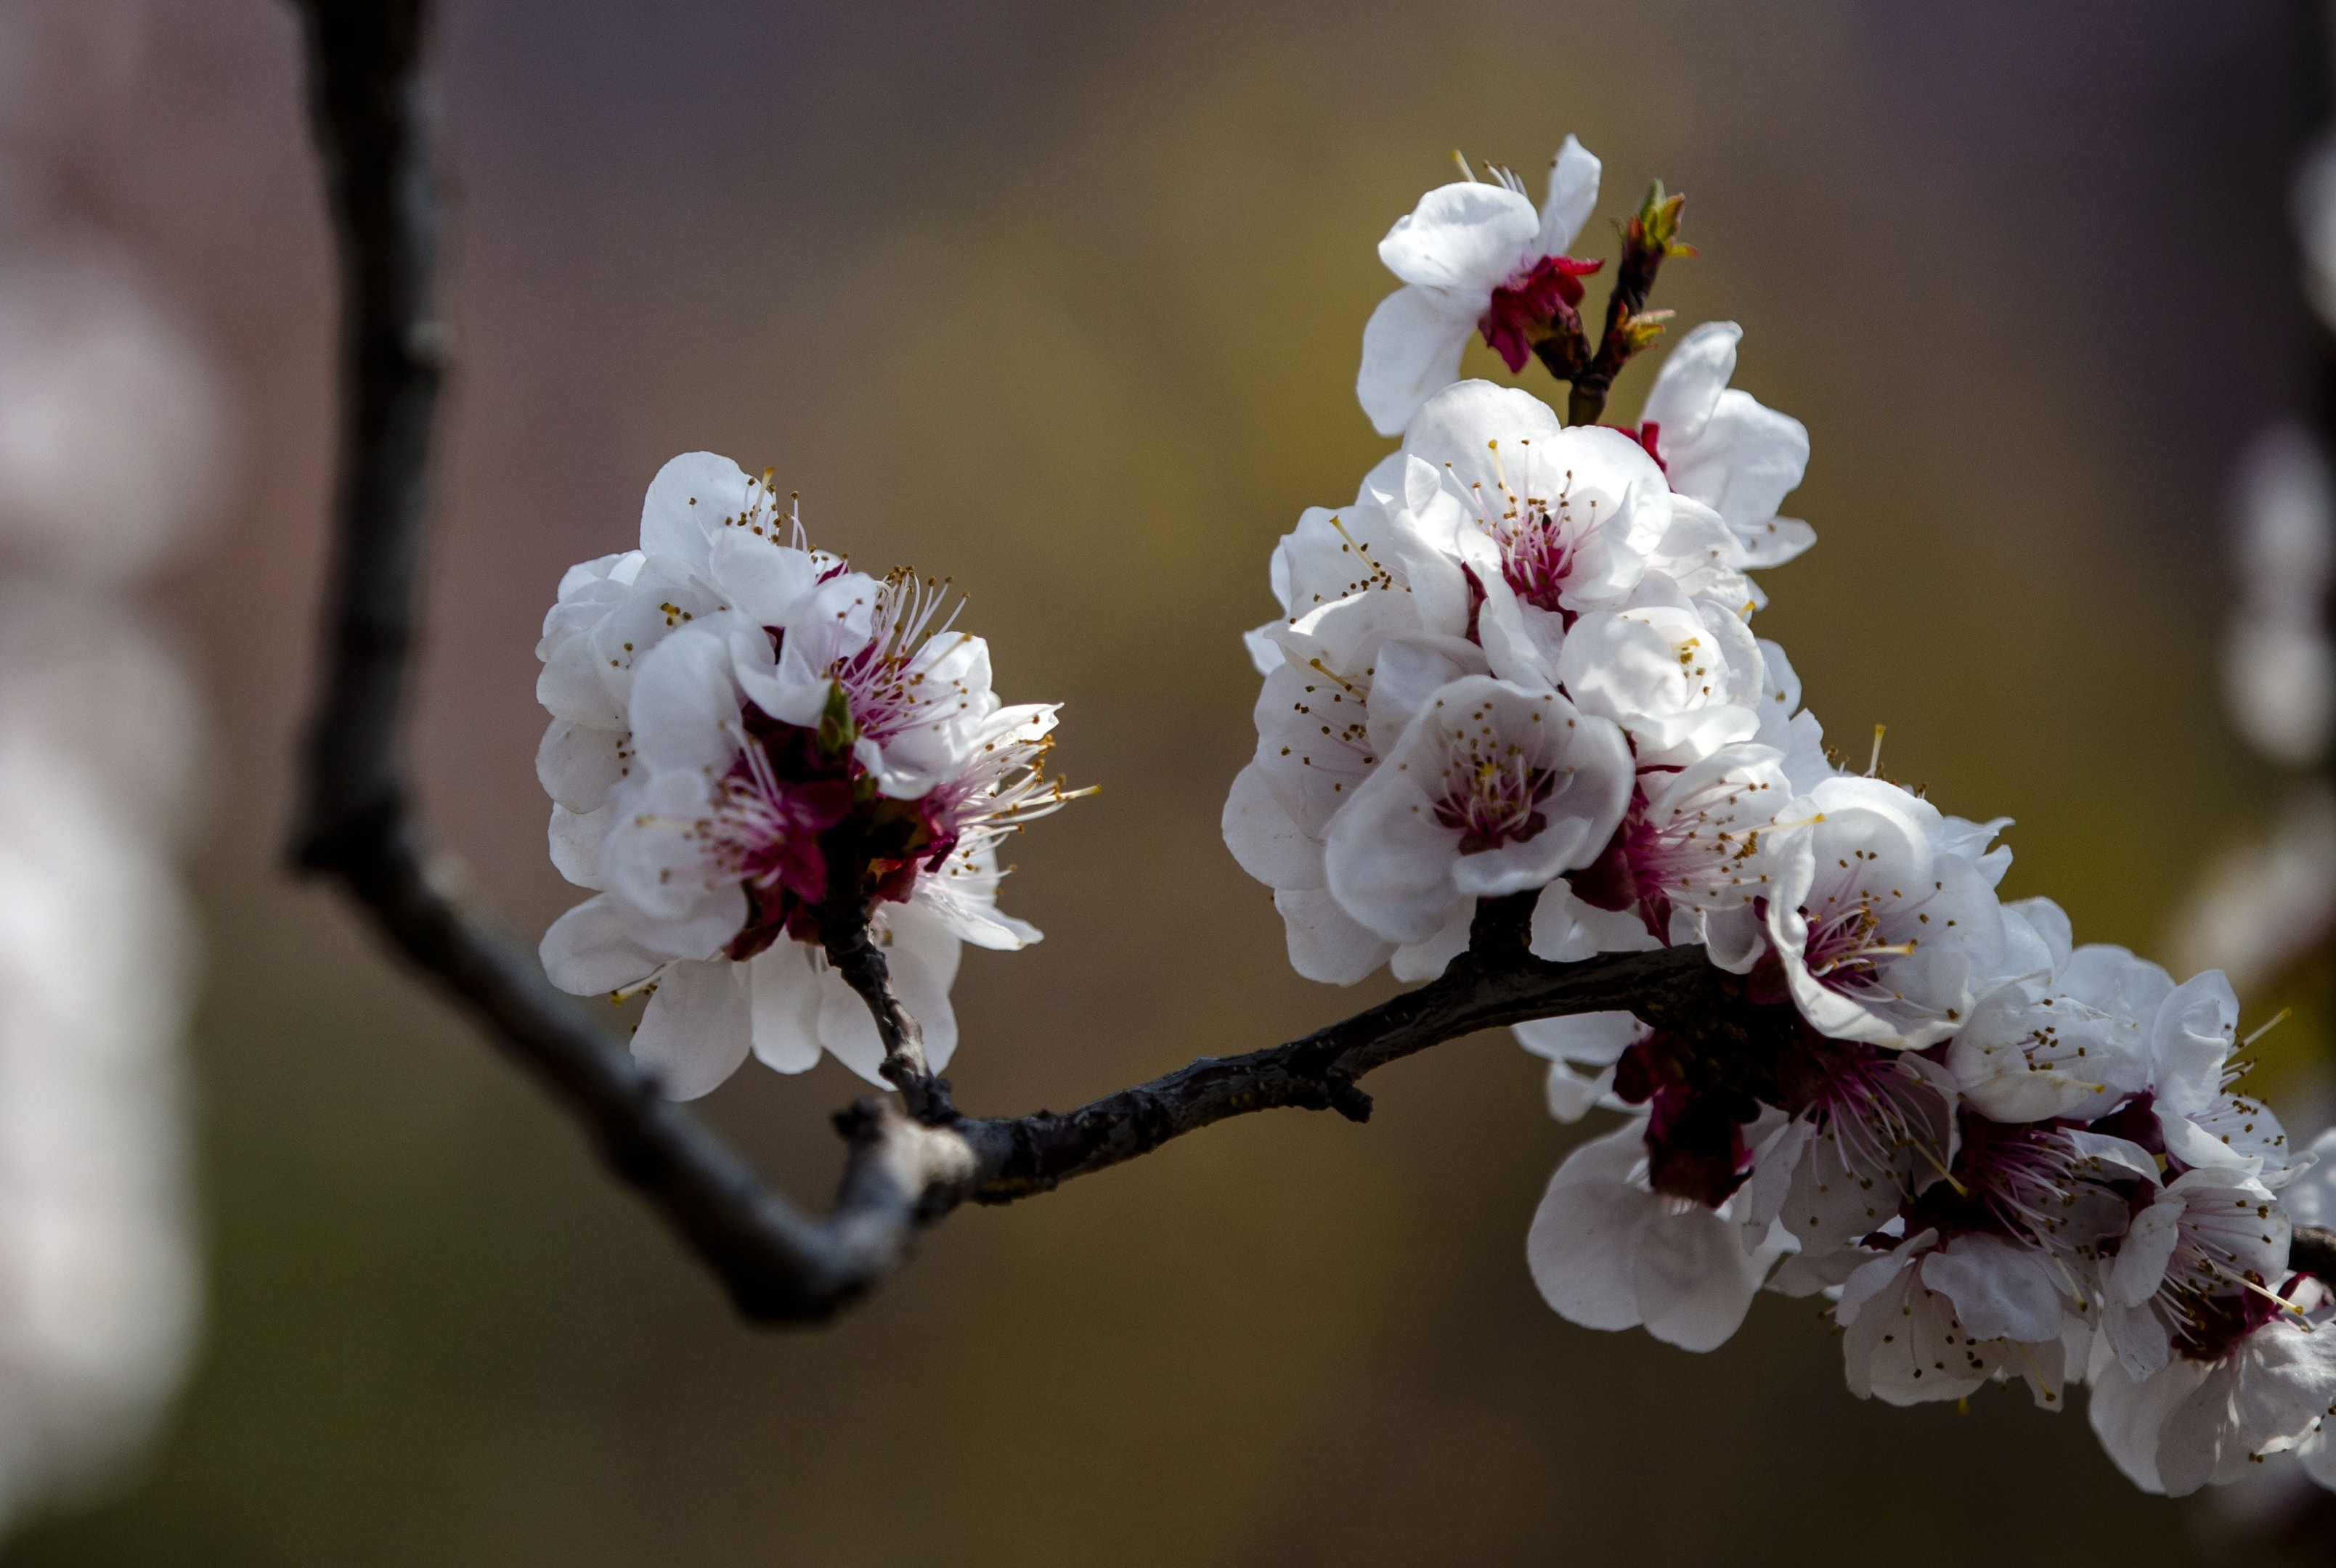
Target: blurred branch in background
x,y
371,114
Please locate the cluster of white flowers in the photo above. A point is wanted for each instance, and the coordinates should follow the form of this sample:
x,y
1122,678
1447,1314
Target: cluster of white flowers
x,y
1521,662
737,718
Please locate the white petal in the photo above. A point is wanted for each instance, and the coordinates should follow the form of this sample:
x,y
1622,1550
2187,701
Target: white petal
x,y
762,579
2129,1415
694,1033
785,1008
577,765
1264,652
1572,193
575,843
1467,237
847,1031
591,950
687,503
1692,1279
1688,387
1269,846
2190,1040
684,707
1326,942
923,956
1411,350
1579,1246
1572,1095
2000,1291
1599,1039
1426,960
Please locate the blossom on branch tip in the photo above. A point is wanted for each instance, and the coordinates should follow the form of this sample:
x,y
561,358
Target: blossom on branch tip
x,y
1474,257
739,722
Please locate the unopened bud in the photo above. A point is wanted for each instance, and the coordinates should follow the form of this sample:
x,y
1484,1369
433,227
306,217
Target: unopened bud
x,y
1656,224
1645,327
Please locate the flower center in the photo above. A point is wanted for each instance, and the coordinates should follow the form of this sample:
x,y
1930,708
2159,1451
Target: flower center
x,y
1489,802
1536,557
1865,1100
779,797
1845,950
891,682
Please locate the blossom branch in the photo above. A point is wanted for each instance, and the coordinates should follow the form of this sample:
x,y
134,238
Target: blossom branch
x,y
370,116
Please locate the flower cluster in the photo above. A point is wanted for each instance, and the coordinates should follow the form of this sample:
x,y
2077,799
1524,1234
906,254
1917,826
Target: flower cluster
x,y
754,751
1521,663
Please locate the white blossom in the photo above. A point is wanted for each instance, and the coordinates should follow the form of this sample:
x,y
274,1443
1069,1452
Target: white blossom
x,y
1696,851
1882,939
1491,789
2070,1041
2195,1422
1607,1252
1463,244
1721,447
2186,1262
1929,1321
725,699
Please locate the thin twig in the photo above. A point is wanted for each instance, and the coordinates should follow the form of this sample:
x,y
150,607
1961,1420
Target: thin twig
x,y
1650,235
847,935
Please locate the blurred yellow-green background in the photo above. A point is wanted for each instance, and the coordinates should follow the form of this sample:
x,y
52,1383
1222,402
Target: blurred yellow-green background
x,y
1063,300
